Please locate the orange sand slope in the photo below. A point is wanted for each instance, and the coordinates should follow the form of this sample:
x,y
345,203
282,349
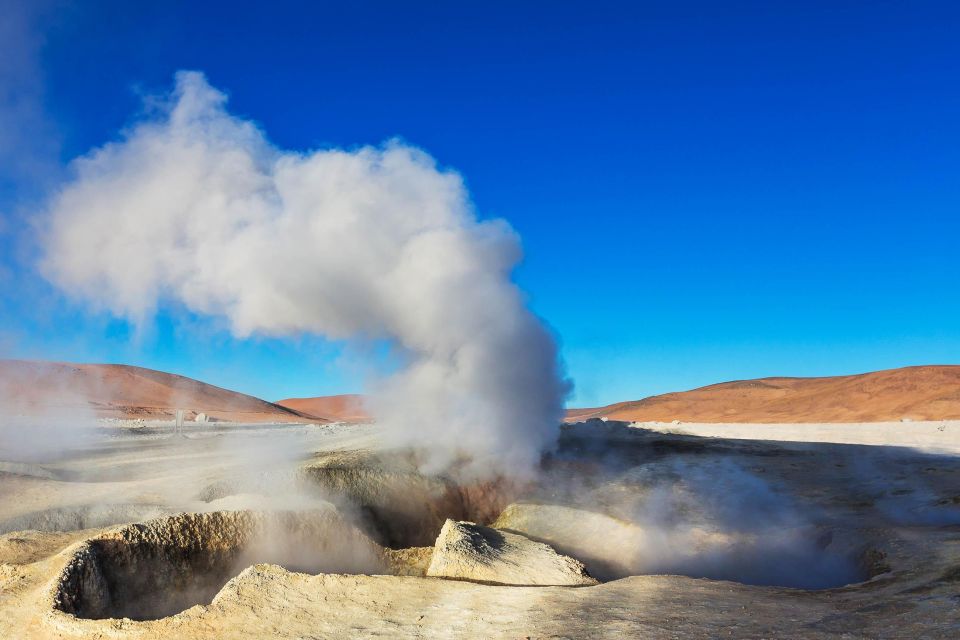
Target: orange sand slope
x,y
918,393
121,391
346,408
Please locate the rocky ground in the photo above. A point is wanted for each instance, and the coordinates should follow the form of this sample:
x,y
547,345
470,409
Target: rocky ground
x,y
303,531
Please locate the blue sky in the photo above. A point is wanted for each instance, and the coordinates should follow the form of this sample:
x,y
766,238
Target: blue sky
x,y
705,191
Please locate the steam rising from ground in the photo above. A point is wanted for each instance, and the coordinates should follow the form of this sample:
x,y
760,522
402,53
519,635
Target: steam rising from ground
x,y
195,206
32,431
720,521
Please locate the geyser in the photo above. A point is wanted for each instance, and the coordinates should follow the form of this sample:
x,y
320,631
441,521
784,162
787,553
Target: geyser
x,y
194,206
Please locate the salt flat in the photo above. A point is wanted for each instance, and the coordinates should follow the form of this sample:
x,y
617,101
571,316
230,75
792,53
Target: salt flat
x,y
931,436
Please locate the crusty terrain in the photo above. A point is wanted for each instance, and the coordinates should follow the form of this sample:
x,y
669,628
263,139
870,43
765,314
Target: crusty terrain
x,y
411,561
917,393
889,518
269,601
163,566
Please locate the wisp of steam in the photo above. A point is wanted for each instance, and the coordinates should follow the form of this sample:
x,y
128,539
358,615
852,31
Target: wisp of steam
x,y
193,205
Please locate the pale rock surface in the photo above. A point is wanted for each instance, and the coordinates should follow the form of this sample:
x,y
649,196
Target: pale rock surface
x,y
163,566
468,551
413,561
911,568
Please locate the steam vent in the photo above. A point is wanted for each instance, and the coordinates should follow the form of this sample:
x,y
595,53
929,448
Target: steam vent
x,y
311,529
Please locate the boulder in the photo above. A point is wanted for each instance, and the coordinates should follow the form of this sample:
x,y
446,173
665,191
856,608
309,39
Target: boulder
x,y
467,551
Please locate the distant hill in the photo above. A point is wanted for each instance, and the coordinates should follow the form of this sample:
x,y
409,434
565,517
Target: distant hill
x,y
919,393
121,391
346,408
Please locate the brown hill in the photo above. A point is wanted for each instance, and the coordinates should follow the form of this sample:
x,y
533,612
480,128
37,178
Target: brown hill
x,y
122,391
345,408
918,393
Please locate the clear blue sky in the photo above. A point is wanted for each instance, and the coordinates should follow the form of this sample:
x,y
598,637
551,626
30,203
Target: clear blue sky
x,y
705,190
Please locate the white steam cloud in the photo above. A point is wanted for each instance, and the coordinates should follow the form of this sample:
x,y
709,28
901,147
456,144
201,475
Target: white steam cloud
x,y
194,205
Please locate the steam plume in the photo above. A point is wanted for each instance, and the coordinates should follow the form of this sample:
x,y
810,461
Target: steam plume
x,y
194,205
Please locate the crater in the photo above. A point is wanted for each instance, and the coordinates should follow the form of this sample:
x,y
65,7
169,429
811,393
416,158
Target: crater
x,y
162,567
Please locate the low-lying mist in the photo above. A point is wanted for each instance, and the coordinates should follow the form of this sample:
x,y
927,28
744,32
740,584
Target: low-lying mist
x,y
32,427
700,517
720,521
807,516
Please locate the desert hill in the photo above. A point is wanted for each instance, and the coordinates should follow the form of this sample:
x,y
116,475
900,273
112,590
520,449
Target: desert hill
x,y
122,391
347,407
918,393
